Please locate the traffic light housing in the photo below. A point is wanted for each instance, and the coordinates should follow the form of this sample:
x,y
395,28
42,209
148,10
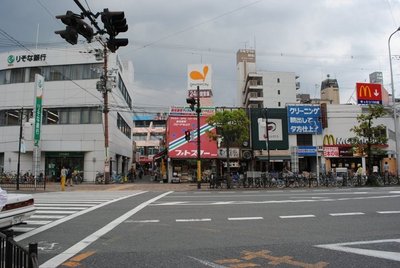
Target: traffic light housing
x,y
114,22
187,135
75,25
114,43
69,34
192,102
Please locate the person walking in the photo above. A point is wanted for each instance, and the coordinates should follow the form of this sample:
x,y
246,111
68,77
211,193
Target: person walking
x,y
386,173
359,174
64,172
69,177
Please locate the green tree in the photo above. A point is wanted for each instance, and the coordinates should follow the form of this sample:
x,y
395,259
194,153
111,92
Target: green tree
x,y
369,135
233,127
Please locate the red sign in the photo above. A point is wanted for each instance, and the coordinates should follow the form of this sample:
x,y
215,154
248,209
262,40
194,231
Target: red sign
x,y
368,93
331,151
179,147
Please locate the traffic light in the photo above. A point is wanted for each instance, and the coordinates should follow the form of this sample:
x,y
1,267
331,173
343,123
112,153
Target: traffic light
x,y
114,43
187,135
192,102
69,34
114,22
75,25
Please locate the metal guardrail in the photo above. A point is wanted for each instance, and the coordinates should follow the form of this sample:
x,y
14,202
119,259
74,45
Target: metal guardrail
x,y
13,255
23,185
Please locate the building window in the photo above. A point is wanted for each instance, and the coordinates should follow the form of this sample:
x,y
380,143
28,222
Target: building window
x,y
123,126
124,92
278,80
304,140
279,104
279,92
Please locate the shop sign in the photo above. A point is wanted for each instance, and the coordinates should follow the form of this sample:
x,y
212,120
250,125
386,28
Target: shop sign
x,y
306,150
179,147
186,111
369,93
199,75
331,151
234,153
304,119
275,132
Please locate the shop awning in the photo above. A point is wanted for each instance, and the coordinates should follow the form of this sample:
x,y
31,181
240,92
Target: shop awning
x,y
160,154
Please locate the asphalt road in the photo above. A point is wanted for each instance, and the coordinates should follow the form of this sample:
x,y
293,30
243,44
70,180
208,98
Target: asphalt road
x,y
290,228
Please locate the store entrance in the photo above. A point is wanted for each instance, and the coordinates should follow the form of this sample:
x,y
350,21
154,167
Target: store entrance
x,y
54,161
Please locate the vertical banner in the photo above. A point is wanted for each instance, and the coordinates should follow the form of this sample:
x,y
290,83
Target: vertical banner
x,y
39,82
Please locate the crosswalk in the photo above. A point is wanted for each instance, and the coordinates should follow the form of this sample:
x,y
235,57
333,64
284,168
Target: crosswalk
x,y
60,206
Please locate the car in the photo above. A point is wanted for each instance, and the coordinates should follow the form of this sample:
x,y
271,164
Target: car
x,y
17,209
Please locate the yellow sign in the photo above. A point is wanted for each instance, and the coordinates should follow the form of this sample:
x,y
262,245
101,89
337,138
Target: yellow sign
x,y
329,140
364,90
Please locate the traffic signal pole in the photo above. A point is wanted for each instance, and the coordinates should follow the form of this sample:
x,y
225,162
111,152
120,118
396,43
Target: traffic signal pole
x,y
105,111
198,111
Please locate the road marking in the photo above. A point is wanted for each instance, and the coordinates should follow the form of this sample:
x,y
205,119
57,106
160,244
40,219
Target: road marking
x,y
75,261
69,217
192,220
75,249
62,205
57,208
22,229
39,211
297,216
347,214
389,212
245,218
37,222
389,255
141,221
46,217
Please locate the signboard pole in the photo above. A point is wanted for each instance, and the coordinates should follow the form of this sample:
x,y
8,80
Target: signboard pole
x,y
267,138
198,111
39,84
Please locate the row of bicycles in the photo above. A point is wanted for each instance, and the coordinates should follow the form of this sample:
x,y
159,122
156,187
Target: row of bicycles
x,y
256,179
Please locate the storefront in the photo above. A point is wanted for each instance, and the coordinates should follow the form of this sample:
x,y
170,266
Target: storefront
x,y
54,161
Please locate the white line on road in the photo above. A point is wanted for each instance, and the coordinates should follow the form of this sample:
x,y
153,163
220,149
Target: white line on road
x,y
347,214
192,220
37,222
395,256
245,218
389,212
22,229
46,217
69,217
56,211
75,249
142,221
56,208
297,216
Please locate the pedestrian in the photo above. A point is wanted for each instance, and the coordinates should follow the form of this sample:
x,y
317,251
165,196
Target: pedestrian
x,y
359,174
69,177
386,172
63,174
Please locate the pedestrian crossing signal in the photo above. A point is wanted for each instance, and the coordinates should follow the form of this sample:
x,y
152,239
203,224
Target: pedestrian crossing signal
x,y
187,135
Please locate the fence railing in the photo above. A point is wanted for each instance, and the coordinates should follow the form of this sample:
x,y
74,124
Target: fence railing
x,y
13,255
23,185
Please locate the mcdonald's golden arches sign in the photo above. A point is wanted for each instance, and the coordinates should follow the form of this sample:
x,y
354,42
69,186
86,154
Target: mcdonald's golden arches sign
x,y
369,93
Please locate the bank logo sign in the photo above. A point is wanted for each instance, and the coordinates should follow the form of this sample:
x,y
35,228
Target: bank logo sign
x,y
13,59
10,59
369,93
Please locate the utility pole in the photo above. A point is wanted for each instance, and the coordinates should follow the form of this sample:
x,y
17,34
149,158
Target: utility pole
x,y
267,138
107,165
19,145
198,111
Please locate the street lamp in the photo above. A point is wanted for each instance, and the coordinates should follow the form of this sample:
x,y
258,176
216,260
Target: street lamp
x,y
396,124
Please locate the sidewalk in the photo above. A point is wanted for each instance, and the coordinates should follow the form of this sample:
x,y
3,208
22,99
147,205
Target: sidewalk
x,y
144,184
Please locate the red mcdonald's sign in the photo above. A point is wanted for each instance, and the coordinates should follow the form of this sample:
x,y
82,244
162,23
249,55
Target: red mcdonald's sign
x,y
368,93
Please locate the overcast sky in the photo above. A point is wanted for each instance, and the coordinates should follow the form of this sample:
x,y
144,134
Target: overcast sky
x,y
344,38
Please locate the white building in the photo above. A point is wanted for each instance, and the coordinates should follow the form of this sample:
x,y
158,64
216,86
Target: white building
x,y
72,132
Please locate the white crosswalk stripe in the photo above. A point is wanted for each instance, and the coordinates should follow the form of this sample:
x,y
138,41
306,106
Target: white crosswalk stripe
x,y
51,207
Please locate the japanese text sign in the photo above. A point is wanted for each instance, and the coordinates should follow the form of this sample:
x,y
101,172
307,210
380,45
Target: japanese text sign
x,y
304,119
